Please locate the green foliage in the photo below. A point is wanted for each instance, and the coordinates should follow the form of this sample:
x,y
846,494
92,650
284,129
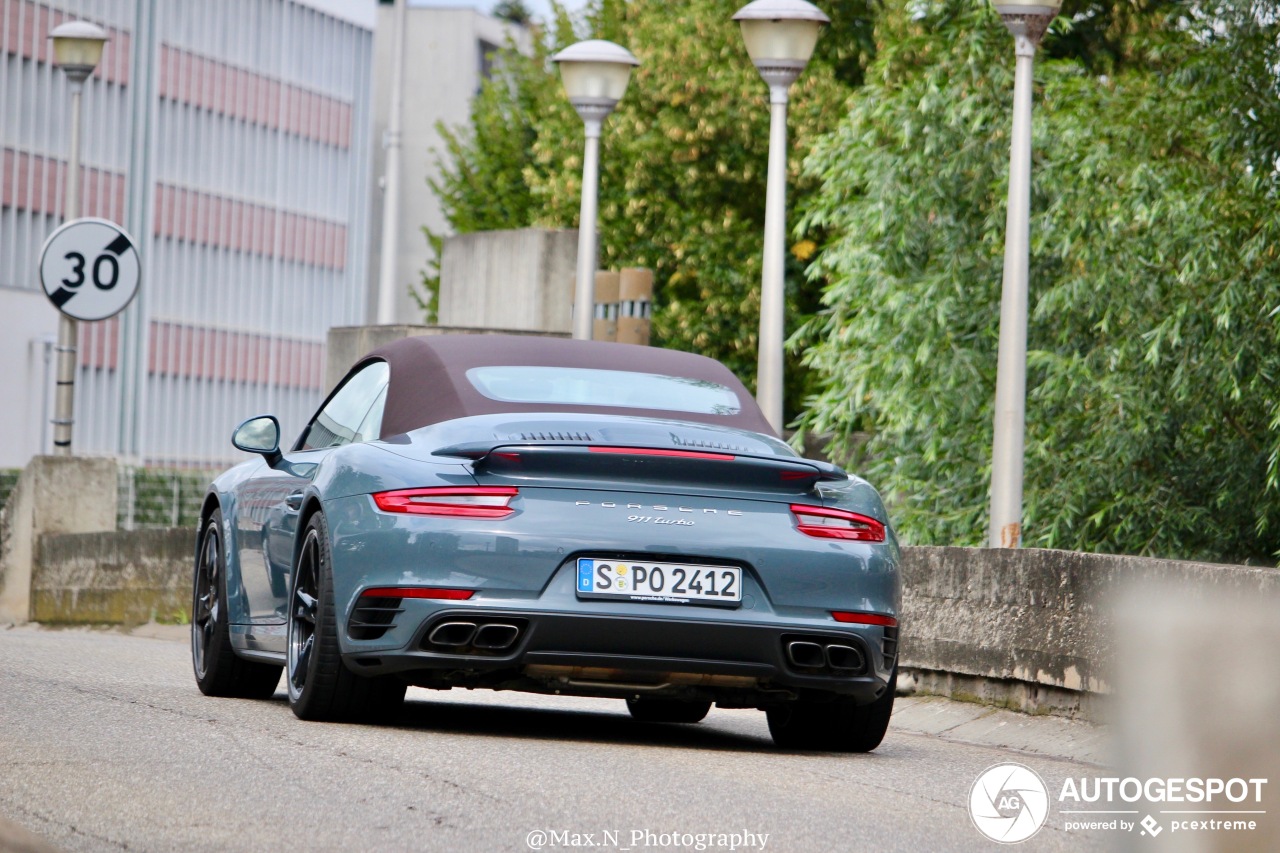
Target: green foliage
x,y
682,165
8,481
514,11
161,497
1152,412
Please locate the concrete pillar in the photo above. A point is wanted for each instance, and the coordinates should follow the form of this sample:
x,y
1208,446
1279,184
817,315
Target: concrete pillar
x,y
605,324
634,297
519,279
55,494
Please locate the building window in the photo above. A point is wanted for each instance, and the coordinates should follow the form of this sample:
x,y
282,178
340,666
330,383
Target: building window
x,y
489,59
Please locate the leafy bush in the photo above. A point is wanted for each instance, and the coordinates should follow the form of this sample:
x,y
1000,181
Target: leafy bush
x,y
683,162
1153,416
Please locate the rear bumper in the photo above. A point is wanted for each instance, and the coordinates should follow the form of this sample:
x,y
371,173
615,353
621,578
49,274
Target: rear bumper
x,y
606,655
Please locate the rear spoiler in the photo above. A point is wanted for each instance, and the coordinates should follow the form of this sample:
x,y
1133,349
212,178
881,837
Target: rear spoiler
x,y
486,453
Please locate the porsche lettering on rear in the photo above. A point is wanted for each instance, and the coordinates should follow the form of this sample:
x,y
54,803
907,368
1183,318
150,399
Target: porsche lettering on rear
x,y
659,508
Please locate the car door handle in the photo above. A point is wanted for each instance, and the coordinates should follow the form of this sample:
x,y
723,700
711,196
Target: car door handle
x,y
294,501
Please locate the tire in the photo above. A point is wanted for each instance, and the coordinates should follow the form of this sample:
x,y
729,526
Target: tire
x,y
667,710
837,725
320,686
218,670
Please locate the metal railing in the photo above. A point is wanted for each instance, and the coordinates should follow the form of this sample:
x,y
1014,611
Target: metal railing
x,y
160,497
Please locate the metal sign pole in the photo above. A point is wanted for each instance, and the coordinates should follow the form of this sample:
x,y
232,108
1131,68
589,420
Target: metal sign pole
x,y
773,302
68,328
1027,24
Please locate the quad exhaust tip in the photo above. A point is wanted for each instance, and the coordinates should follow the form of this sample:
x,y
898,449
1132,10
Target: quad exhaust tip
x,y
453,634
806,655
836,658
465,637
496,636
845,658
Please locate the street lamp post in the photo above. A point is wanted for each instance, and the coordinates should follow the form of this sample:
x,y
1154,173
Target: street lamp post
x,y
77,50
1027,20
392,142
780,37
595,75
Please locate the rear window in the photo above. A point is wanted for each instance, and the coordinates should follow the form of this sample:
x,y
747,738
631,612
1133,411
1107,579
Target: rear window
x,y
570,386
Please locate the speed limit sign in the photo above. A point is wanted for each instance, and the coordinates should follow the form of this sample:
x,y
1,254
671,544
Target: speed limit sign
x,y
89,269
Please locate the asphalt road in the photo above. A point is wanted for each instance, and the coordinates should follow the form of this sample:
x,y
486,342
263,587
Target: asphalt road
x,y
106,744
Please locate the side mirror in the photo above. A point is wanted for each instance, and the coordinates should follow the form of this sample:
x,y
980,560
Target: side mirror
x,y
259,435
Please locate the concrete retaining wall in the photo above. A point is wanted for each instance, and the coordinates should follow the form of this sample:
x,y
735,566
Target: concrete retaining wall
x,y
1034,629
55,494
123,578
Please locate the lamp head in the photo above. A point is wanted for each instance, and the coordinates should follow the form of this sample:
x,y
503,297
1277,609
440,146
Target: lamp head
x,y
1027,21
1045,8
781,31
595,73
77,48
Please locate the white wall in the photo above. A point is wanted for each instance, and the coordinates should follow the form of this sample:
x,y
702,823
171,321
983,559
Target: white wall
x,y
361,12
28,327
442,74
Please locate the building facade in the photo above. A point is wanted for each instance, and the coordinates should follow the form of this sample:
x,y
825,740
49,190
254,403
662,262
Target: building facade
x,y
450,50
232,139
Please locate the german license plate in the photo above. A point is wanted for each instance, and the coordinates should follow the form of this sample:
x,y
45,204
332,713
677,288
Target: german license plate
x,y
665,583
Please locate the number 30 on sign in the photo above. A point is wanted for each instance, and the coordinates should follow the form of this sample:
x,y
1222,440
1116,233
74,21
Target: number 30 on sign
x,y
89,269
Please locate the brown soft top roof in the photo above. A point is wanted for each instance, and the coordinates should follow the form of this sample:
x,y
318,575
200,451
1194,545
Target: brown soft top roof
x,y
429,383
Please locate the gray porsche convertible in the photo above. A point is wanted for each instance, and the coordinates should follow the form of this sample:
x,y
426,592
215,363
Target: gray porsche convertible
x,y
553,516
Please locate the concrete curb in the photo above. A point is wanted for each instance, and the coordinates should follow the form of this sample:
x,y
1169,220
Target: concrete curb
x,y
982,725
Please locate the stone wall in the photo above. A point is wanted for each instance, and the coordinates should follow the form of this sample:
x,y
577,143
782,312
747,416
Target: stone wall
x,y
117,577
55,494
1034,629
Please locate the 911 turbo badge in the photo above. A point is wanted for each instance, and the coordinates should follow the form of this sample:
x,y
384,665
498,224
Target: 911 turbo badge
x,y
659,519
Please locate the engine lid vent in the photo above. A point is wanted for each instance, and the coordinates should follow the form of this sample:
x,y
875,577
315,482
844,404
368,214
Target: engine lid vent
x,y
701,444
552,436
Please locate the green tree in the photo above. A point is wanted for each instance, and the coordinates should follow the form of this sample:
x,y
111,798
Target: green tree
x,y
1152,404
683,162
514,11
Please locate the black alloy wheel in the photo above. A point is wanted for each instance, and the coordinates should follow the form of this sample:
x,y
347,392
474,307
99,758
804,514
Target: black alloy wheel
x,y
834,725
218,670
320,685
303,601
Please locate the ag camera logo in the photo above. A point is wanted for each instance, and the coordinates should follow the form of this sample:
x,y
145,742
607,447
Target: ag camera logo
x,y
1009,803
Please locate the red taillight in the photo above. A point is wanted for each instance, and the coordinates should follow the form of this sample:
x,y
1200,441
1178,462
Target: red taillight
x,y
417,592
865,618
658,451
465,501
826,523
